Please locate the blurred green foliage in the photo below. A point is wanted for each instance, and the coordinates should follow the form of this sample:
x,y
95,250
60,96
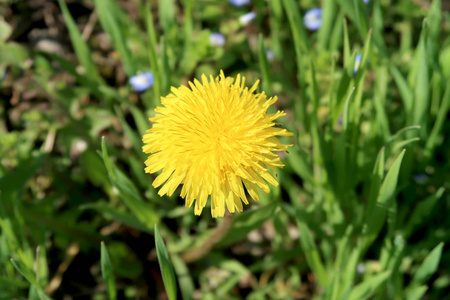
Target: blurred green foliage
x,y
361,208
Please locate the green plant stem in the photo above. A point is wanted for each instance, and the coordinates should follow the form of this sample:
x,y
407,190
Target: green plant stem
x,y
200,251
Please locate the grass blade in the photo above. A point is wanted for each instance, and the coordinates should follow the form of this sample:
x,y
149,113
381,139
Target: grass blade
x,y
80,46
366,288
264,66
107,272
428,266
166,266
375,218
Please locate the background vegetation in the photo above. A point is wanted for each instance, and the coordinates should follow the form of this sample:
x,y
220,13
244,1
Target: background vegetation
x,y
361,210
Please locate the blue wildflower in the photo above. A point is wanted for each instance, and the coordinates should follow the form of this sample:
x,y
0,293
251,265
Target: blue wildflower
x,y
270,55
142,81
247,18
357,63
217,39
313,19
420,178
239,2
366,1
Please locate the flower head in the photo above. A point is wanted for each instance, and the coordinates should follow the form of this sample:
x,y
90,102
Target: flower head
x,y
239,2
357,63
217,39
270,55
366,1
313,19
214,138
142,81
247,18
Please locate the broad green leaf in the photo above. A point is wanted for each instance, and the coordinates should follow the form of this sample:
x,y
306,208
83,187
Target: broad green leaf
x,y
428,266
107,272
366,288
165,265
246,222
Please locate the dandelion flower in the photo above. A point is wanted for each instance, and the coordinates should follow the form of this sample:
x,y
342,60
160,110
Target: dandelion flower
x,y
217,39
216,139
313,19
142,81
247,18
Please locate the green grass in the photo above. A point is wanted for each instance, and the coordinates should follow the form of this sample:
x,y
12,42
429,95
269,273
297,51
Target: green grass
x,y
361,209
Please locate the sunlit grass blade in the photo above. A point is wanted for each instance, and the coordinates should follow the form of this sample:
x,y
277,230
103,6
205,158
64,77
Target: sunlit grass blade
x,y
264,66
366,288
328,16
111,212
311,252
428,266
301,47
416,292
165,265
108,13
432,140
375,219
167,16
153,55
421,82
403,87
185,280
80,46
128,191
31,277
107,273
375,182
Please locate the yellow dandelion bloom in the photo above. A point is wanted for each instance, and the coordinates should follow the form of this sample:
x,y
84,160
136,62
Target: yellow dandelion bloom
x,y
214,138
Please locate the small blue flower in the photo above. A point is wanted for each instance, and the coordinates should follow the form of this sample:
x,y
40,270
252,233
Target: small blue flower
x,y
270,55
366,1
239,2
357,63
142,81
247,18
313,19
217,39
420,178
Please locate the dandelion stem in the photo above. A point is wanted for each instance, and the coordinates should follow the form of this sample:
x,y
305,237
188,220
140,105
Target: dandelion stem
x,y
200,251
